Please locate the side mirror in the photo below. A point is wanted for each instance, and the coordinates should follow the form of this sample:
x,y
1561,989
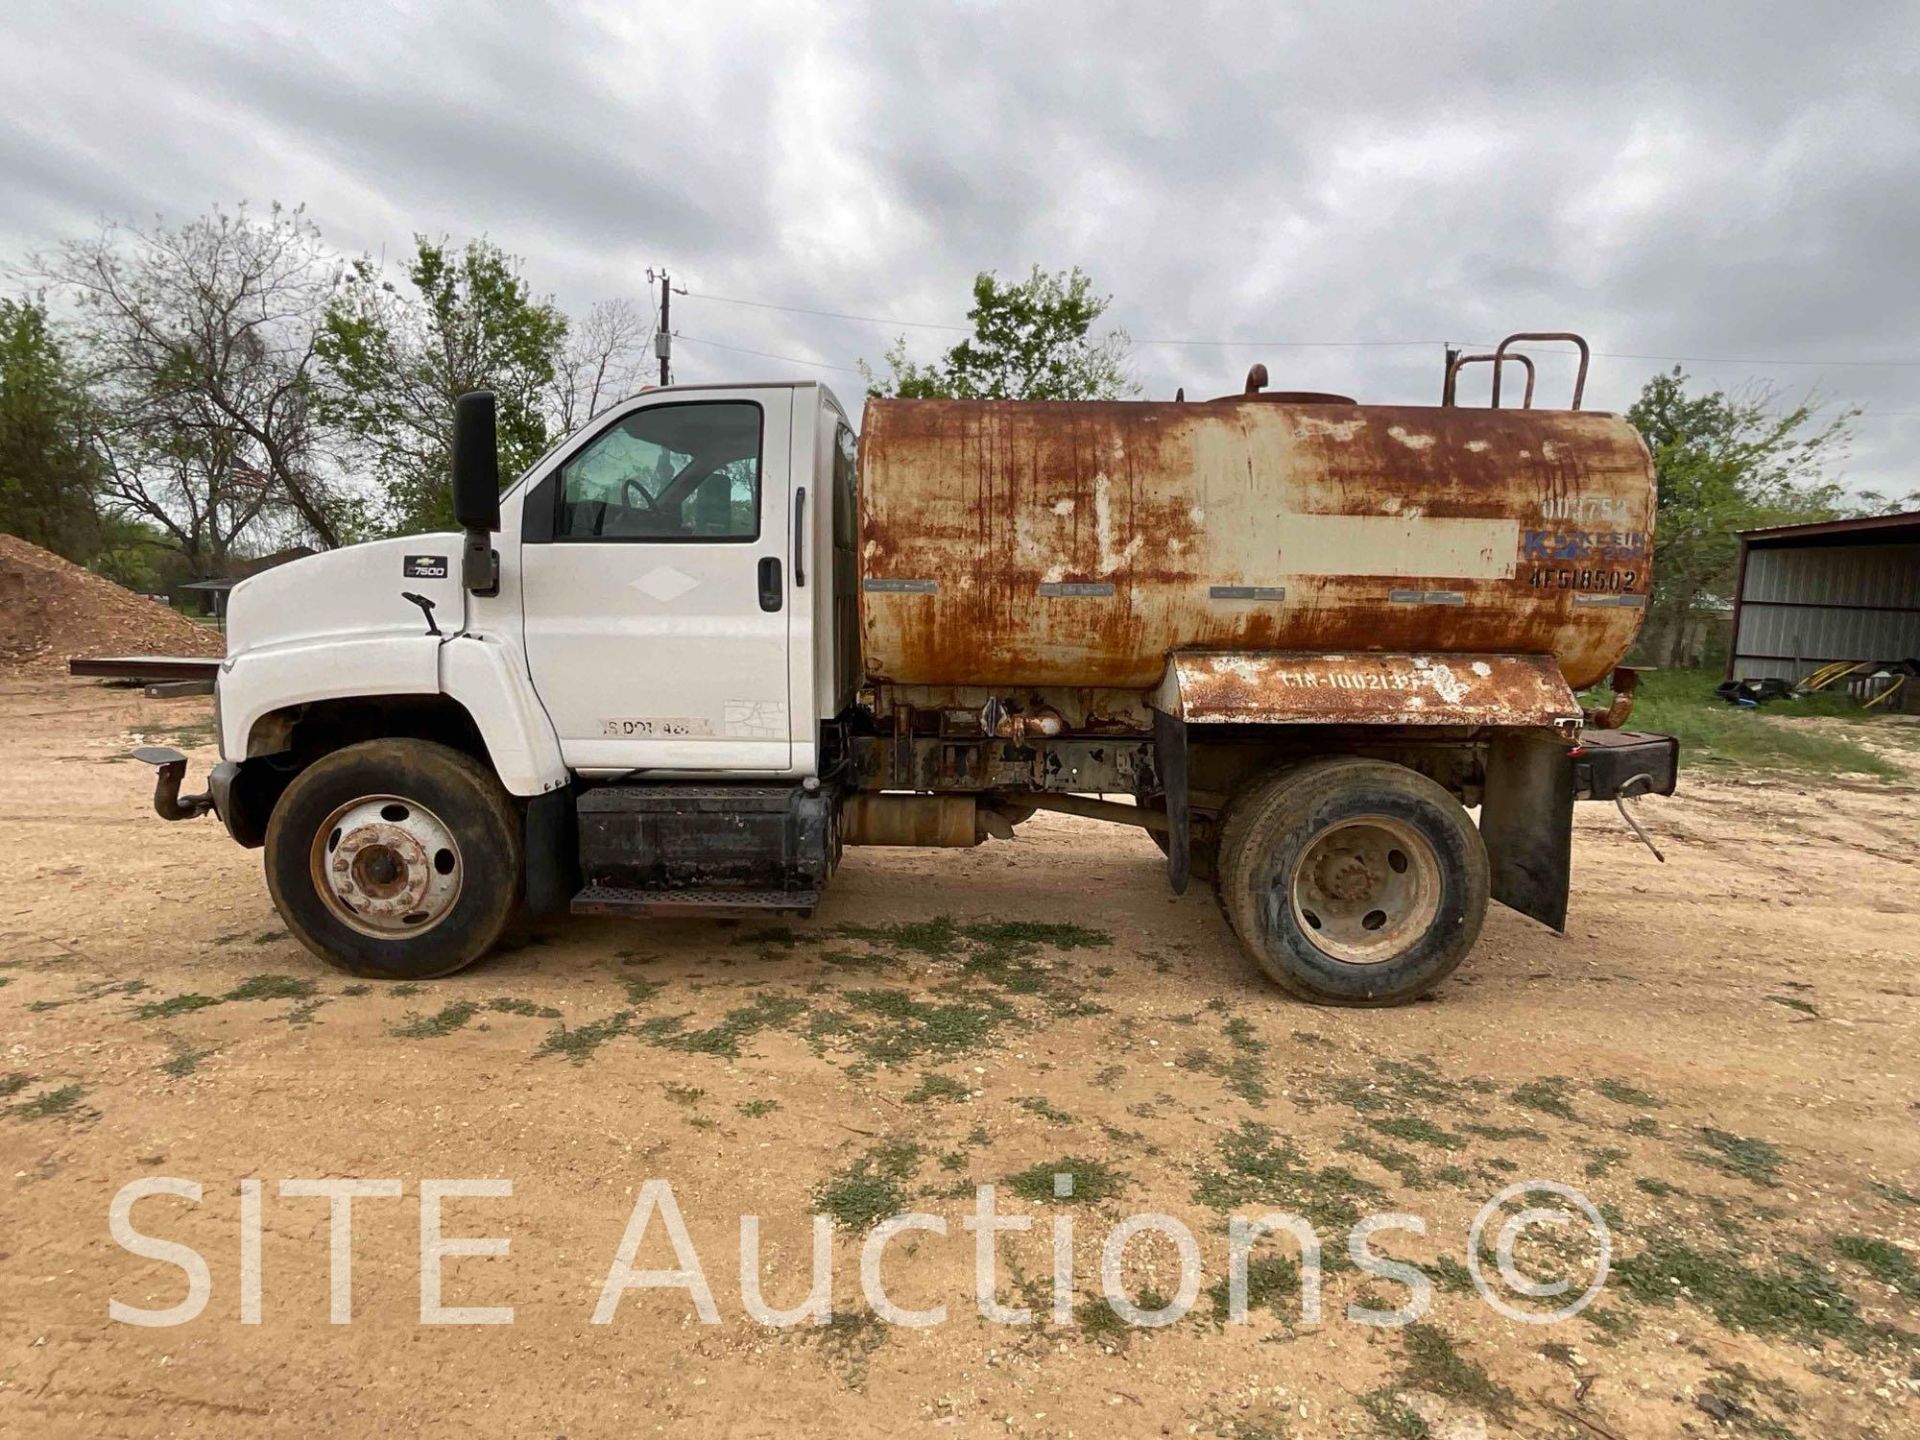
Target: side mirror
x,y
476,489
476,463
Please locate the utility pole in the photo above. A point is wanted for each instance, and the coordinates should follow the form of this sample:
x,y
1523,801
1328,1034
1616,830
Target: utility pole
x,y
663,332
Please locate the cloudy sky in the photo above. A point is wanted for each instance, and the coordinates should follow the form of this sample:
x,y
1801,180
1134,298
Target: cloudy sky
x,y
1734,183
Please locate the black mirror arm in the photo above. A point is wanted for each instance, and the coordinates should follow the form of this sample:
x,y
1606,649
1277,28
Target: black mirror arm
x,y
480,564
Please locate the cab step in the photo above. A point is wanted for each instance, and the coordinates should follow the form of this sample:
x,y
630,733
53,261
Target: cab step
x,y
714,903
752,848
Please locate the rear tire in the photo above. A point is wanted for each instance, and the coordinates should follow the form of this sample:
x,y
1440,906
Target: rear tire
x,y
396,859
1353,882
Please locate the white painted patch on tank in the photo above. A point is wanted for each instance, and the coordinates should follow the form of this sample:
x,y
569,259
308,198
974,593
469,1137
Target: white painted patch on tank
x,y
1110,558
1391,505
1309,425
1548,450
1477,446
1063,507
1198,515
1398,546
1407,438
1482,669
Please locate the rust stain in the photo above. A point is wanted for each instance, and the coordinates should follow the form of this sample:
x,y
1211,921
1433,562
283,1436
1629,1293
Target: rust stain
x,y
1504,690
1139,517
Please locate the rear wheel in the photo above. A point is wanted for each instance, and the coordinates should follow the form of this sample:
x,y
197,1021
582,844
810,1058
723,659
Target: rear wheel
x,y
395,859
1353,882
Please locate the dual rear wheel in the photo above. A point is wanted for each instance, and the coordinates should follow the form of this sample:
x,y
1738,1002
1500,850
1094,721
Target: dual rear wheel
x,y
1352,881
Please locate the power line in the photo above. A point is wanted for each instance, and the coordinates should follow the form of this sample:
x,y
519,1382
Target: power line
x,y
1290,344
831,314
1228,344
1597,354
967,329
768,355
1730,360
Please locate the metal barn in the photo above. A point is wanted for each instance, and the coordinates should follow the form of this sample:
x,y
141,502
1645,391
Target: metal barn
x,y
1809,595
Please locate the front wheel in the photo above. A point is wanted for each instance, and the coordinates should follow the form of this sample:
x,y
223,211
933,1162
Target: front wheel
x,y
395,859
1353,882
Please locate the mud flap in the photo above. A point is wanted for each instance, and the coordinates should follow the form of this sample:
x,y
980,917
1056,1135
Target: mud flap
x,y
553,868
1170,751
1526,820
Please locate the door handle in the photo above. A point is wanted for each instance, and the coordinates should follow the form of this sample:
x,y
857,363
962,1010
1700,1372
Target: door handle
x,y
770,583
800,538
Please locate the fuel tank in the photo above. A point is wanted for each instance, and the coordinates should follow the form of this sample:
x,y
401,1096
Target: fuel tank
x,y
1067,543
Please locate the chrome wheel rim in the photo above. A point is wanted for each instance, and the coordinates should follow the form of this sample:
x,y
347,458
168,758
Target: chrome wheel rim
x,y
1366,889
386,866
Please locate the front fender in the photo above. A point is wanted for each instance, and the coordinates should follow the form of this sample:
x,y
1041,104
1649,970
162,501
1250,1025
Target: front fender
x,y
259,681
480,674
490,682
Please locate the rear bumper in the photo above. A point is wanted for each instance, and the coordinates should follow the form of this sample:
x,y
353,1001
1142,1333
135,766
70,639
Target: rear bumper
x,y
1611,763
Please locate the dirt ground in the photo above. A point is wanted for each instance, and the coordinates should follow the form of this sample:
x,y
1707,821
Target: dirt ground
x,y
1722,1054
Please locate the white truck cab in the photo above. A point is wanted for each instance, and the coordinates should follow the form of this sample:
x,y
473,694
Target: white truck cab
x,y
661,578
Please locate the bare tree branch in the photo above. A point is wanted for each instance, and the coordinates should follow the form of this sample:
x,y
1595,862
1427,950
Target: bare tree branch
x,y
200,341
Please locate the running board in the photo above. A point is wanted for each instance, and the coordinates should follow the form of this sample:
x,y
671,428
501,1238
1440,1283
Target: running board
x,y
712,904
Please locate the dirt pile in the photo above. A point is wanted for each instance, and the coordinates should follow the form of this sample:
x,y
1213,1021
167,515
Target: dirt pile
x,y
51,609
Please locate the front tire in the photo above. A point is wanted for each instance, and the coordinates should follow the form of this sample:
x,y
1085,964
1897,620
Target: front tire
x,y
396,859
1353,882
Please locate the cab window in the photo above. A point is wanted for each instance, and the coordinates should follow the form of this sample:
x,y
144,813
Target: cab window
x,y
669,472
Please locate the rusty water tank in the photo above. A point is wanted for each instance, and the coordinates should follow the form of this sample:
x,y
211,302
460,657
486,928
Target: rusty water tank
x,y
1065,543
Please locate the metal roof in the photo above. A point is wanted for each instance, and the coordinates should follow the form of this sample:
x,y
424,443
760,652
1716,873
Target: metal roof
x,y
1868,530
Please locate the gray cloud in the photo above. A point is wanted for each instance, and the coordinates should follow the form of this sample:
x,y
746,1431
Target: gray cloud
x,y
1688,180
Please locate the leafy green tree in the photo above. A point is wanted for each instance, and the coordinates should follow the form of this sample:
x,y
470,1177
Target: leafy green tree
x,y
49,472
1726,462
1032,340
395,360
139,555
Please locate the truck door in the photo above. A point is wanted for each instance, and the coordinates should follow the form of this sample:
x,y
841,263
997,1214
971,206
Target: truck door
x,y
655,579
